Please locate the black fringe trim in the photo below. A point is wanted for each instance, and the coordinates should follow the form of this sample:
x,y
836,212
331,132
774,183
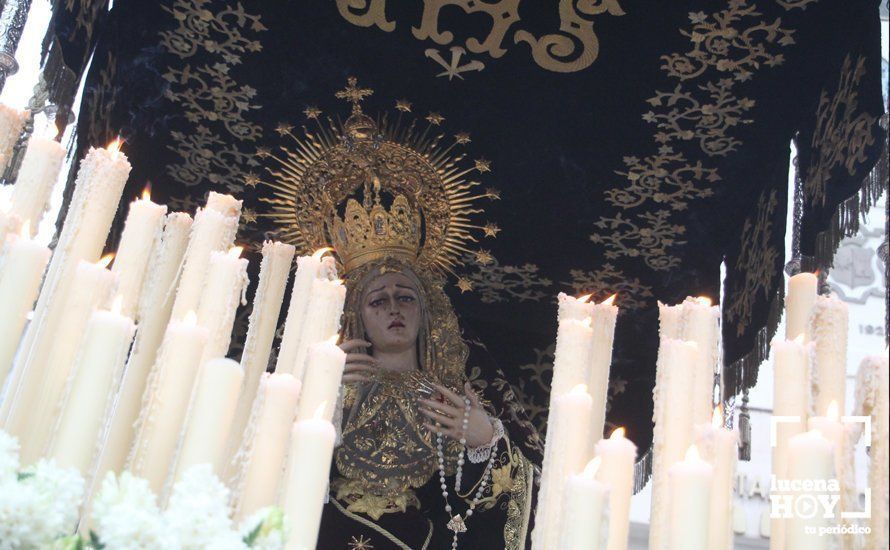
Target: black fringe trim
x,y
642,471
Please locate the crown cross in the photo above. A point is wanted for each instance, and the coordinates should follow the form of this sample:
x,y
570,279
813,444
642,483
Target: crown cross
x,y
353,94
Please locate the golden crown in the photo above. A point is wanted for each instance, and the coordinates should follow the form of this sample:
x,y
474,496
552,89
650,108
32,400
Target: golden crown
x,y
374,189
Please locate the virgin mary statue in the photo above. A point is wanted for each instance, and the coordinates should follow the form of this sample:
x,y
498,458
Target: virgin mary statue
x,y
433,449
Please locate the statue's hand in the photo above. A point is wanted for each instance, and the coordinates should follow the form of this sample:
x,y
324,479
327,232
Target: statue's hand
x,y
358,365
449,413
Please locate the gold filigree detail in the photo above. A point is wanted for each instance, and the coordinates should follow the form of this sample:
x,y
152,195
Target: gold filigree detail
x,y
210,98
372,161
576,46
360,543
756,263
728,46
842,133
503,14
366,13
494,282
101,101
607,280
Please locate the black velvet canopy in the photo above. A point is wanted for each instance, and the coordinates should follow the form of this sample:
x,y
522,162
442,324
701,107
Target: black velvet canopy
x,y
623,146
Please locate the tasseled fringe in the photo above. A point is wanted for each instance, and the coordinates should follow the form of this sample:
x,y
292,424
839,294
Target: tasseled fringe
x,y
742,373
643,471
845,222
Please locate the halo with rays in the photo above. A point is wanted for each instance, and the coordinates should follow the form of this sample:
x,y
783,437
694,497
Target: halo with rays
x,y
313,174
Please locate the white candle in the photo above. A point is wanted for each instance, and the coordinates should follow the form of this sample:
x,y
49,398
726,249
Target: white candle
x,y
321,383
97,191
835,431
223,290
36,178
274,272
309,268
791,399
143,228
828,331
34,407
672,432
9,222
213,231
810,463
802,291
571,308
690,497
873,400
603,326
719,447
322,319
586,502
154,311
309,465
260,460
565,453
165,401
11,123
21,270
574,338
209,416
87,401
617,454
669,321
701,324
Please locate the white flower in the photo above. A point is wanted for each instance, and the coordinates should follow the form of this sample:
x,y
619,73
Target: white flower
x,y
41,507
198,514
9,457
126,515
272,533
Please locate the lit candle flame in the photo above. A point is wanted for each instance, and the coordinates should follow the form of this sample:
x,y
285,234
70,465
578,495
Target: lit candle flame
x,y
118,304
338,282
798,339
333,339
115,146
321,252
692,454
235,251
25,232
191,318
610,300
580,388
717,417
105,260
146,191
585,298
319,412
618,433
833,411
592,467
703,300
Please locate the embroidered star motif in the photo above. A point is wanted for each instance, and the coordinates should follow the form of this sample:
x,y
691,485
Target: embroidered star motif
x,y
263,152
311,111
462,138
360,543
248,216
464,284
283,129
483,165
403,105
251,180
493,194
435,119
491,229
484,257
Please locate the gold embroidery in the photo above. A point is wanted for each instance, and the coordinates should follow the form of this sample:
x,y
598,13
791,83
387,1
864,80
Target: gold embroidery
x,y
792,4
366,13
208,95
360,543
576,46
607,280
532,383
731,43
101,101
841,134
756,261
502,13
494,282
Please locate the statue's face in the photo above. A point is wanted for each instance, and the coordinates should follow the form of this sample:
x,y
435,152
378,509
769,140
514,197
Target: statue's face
x,y
391,312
